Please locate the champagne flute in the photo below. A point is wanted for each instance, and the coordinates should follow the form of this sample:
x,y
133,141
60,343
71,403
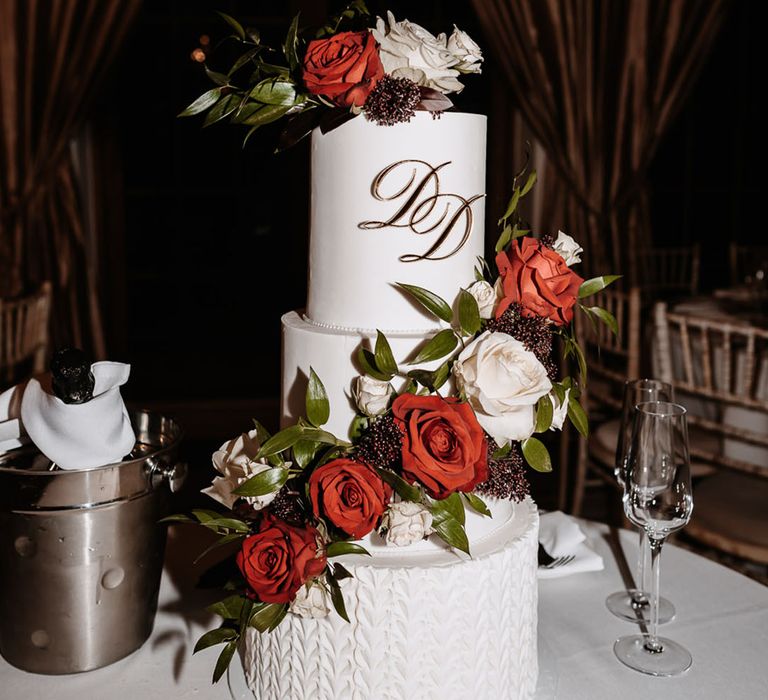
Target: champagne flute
x,y
632,605
658,498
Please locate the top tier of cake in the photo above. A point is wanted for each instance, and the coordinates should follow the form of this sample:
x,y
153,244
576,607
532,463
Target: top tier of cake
x,y
402,203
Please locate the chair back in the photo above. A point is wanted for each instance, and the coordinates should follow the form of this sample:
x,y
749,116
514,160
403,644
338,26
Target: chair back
x,y
24,337
611,359
747,260
725,365
670,270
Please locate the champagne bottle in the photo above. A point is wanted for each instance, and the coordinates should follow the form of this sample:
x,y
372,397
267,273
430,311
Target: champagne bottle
x,y
71,375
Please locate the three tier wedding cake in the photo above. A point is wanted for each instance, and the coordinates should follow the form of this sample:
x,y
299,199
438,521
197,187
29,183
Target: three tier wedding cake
x,y
413,387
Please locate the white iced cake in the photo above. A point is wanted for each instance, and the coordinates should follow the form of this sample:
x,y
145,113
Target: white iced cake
x,y
399,204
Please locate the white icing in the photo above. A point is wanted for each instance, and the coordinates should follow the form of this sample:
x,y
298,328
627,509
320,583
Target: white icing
x,y
332,353
352,270
435,629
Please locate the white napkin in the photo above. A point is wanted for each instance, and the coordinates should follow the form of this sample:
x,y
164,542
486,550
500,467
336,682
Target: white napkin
x,y
561,536
11,432
75,436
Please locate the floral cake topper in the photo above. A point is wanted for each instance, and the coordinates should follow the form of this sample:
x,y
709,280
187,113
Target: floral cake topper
x,y
385,71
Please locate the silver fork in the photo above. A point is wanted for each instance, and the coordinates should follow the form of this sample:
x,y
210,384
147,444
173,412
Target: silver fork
x,y
560,561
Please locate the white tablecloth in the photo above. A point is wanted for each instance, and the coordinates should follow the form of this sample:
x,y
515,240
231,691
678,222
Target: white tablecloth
x,y
722,618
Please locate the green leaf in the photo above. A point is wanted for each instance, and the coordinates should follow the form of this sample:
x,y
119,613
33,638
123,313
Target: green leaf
x,y
578,416
452,505
218,78
322,436
450,530
337,597
232,22
537,455
559,392
544,412
385,360
596,284
203,515
268,617
339,572
318,408
504,238
268,481
222,109
223,661
177,518
502,451
519,232
406,491
430,301
469,313
206,100
529,183
511,206
359,426
246,58
432,380
280,441
304,452
477,504
221,542
290,46
581,360
214,637
274,91
338,549
441,344
263,114
219,524
367,362
229,608
606,317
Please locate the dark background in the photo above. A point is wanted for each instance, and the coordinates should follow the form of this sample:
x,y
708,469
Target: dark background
x,y
208,246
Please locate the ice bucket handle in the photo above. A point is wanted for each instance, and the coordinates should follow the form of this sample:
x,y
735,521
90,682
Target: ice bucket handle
x,y
172,474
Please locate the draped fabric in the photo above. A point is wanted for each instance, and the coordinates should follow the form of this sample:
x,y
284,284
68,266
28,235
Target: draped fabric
x,y
598,82
53,55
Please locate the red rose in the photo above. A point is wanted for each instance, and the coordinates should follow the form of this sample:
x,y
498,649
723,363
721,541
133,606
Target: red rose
x,y
279,559
444,446
344,68
349,494
538,279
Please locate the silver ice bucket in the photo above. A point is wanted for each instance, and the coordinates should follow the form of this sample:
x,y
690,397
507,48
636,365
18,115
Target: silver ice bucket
x,y
81,552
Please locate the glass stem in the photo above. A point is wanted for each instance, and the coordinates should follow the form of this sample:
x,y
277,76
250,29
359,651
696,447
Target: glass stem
x,y
652,644
640,595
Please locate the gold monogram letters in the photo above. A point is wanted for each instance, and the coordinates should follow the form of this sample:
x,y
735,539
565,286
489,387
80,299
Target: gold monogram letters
x,y
414,185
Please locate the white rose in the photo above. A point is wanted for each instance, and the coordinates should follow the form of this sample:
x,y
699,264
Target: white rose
x,y
406,522
235,461
486,297
567,249
466,50
561,410
502,382
311,601
410,51
372,395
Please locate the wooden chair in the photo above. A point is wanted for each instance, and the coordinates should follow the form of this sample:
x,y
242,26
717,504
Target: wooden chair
x,y
725,364
24,338
611,360
745,261
670,271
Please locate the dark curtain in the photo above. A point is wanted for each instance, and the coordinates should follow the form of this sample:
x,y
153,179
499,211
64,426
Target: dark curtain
x,y
598,84
53,55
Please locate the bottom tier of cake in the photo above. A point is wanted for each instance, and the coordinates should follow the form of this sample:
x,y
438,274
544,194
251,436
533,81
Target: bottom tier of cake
x,y
426,625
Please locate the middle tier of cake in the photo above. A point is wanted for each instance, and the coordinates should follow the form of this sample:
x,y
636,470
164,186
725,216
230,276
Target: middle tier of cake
x,y
331,353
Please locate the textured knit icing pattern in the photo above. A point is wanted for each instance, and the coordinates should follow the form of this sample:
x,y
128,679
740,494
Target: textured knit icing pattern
x,y
466,630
